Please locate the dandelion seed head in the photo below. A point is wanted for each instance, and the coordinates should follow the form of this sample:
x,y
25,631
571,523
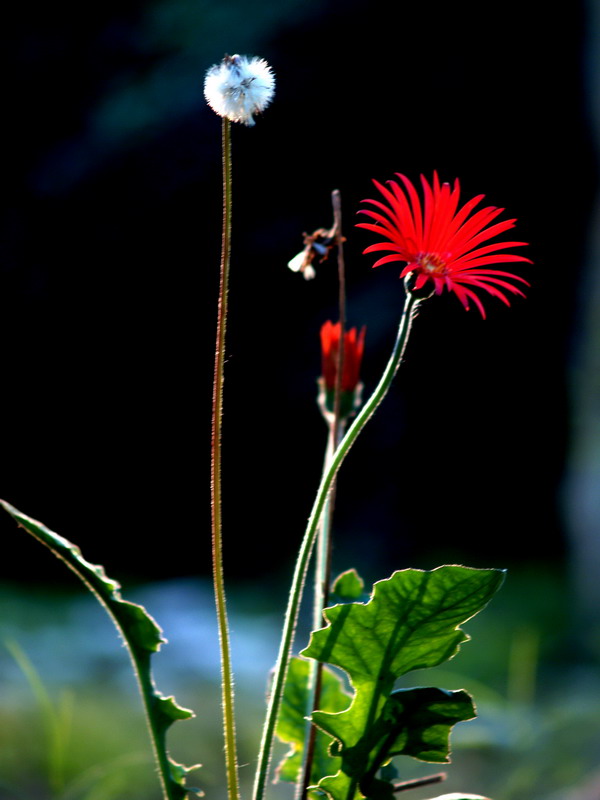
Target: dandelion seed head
x,y
239,87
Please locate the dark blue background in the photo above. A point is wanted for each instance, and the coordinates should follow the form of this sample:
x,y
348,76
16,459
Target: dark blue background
x,y
110,228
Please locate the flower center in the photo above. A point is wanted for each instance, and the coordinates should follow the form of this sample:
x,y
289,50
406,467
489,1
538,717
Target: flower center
x,y
431,263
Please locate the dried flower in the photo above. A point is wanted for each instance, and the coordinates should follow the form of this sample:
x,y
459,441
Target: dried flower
x,y
302,262
441,244
354,344
239,87
316,245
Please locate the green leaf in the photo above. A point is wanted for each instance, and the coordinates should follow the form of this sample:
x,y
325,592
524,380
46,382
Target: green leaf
x,y
348,587
411,622
413,722
291,724
142,636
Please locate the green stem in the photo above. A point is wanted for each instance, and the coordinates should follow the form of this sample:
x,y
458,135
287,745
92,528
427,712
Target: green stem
x,y
321,594
291,616
322,566
324,545
217,543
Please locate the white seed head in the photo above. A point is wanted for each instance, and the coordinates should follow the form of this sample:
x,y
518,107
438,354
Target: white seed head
x,y
239,87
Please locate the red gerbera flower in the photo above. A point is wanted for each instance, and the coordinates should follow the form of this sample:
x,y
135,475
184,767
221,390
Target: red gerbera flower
x,y
441,244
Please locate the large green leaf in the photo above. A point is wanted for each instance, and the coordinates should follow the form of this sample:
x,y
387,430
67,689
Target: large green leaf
x,y
142,636
292,721
411,622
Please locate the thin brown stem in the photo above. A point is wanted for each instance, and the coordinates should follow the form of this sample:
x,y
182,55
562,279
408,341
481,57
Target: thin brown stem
x,y
417,782
216,516
336,201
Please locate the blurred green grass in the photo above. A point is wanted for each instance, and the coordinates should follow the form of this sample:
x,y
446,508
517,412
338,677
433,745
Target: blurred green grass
x,y
536,686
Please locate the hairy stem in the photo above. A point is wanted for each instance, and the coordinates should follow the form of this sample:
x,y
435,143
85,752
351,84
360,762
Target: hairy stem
x,y
306,546
324,542
217,542
321,593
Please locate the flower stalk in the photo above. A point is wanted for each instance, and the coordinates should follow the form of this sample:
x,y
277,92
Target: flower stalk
x,y
410,308
321,599
216,517
336,425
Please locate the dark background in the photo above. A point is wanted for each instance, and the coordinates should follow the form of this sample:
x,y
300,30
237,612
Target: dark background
x,y
110,237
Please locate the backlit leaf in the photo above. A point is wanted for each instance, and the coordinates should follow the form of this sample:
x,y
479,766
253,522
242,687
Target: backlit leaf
x,y
292,722
411,622
142,636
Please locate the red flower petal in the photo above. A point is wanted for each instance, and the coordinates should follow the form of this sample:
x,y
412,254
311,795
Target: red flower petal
x,y
443,243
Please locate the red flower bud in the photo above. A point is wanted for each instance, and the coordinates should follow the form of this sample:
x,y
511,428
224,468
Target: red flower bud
x,y
354,343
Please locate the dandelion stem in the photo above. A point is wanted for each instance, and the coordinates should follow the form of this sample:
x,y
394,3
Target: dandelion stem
x,y
410,308
217,544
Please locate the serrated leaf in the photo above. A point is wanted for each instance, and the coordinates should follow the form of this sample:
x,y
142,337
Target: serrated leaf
x,y
179,773
411,622
412,722
421,719
291,724
140,632
348,587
